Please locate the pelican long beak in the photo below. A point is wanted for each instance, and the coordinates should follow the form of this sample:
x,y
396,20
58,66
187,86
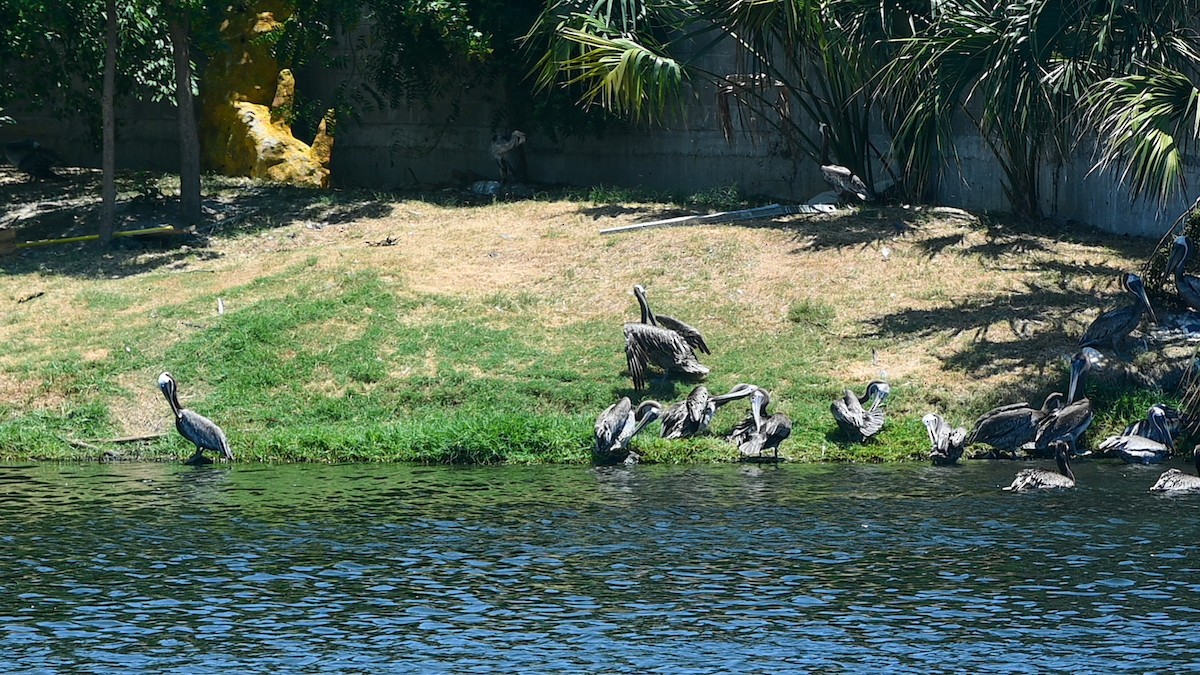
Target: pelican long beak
x,y
1139,289
1078,365
756,405
649,413
738,391
930,422
1179,253
1159,423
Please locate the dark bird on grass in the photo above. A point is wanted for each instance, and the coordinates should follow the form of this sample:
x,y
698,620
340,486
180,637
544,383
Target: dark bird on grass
x,y
1011,426
1166,430
193,426
859,421
502,148
1115,325
692,416
1139,449
1174,480
648,343
1186,285
1068,423
1041,479
758,433
690,334
842,180
945,443
617,425
32,158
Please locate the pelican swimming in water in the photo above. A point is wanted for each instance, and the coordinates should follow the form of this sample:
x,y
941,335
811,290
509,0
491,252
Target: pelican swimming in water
x,y
1186,285
758,433
857,421
691,416
946,443
1113,326
1069,422
1139,449
841,179
618,424
1009,427
1174,480
193,426
648,343
1041,479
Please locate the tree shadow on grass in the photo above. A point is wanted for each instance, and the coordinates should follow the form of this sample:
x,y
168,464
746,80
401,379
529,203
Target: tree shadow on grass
x,y
70,207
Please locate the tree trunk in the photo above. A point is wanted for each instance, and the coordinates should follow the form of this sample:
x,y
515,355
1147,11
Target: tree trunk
x,y
189,140
108,190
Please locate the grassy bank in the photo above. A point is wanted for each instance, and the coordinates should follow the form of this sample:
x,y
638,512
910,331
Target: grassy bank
x,y
380,328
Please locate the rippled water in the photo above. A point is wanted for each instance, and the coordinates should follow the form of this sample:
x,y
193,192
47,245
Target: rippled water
x,y
372,569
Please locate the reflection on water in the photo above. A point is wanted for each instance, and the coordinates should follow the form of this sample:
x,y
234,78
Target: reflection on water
x,y
370,568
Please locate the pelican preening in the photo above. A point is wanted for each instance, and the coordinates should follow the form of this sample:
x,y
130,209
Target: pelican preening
x,y
842,180
1068,423
193,426
32,158
618,424
653,342
1113,326
857,421
691,416
946,443
758,433
1009,427
1039,479
1186,285
1143,449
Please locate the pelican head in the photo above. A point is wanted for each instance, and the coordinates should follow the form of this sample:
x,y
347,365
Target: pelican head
x,y
1081,363
166,383
1133,283
1158,422
759,400
879,390
1180,252
932,421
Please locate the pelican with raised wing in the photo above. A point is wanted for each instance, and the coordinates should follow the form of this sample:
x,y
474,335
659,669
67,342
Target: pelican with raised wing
x,y
946,443
618,424
857,421
1041,479
691,416
1115,325
648,343
197,428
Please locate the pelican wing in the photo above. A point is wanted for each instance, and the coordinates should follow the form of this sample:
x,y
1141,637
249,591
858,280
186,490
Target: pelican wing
x,y
1005,428
1174,480
1039,479
203,432
1113,324
776,429
689,334
742,431
1189,290
646,344
611,424
674,421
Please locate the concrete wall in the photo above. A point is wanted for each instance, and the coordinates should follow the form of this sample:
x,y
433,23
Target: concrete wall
x,y
389,147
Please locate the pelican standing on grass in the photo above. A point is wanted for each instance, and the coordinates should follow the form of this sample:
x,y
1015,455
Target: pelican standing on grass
x,y
946,443
618,424
692,416
855,420
758,433
193,426
1009,427
1041,479
1069,422
1186,285
648,343
1113,326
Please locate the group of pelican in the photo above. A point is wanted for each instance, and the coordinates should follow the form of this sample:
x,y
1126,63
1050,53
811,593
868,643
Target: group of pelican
x,y
1054,429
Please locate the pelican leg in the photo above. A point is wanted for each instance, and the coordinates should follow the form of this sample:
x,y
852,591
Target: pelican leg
x,y
198,459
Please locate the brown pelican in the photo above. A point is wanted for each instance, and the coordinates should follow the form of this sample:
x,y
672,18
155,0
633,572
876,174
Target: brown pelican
x,y
1174,480
647,343
691,335
946,444
617,425
853,419
693,415
1115,325
32,158
842,180
1168,428
1011,426
758,433
1068,423
1038,479
1139,449
502,149
193,426
1187,285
